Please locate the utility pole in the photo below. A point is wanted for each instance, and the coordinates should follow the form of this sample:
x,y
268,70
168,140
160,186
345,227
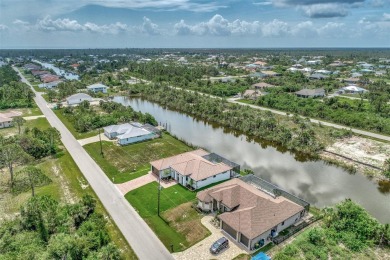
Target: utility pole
x,y
101,147
158,198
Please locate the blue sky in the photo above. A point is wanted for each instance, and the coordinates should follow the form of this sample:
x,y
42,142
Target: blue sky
x,y
194,23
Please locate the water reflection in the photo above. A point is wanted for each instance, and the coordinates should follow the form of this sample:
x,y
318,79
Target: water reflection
x,y
60,72
317,182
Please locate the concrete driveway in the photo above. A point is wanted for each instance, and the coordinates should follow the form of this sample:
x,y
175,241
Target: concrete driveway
x,y
141,181
200,251
94,139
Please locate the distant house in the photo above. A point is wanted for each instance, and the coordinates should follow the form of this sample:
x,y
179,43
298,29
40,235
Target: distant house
x,y
269,73
31,66
39,72
260,63
322,71
6,118
252,211
318,76
227,79
50,85
353,89
78,98
313,62
131,132
98,87
47,78
310,93
356,75
351,80
257,75
195,169
251,94
262,85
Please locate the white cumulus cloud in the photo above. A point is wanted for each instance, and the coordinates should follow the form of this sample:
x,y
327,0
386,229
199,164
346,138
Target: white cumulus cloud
x,y
325,10
218,26
148,27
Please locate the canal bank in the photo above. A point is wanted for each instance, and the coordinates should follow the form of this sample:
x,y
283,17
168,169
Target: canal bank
x,y
317,182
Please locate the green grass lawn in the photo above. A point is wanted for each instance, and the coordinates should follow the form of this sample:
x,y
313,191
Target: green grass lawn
x,y
71,128
40,123
124,163
38,89
144,200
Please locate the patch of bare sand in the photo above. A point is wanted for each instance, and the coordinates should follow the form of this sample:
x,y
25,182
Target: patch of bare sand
x,y
68,197
362,150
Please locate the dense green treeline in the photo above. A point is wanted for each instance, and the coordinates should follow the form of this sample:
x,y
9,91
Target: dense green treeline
x,y
353,113
351,53
13,94
46,229
8,75
347,230
218,88
85,117
170,72
294,133
25,149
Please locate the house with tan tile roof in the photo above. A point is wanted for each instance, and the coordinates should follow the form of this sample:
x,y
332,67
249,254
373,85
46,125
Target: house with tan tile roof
x,y
250,215
7,118
195,169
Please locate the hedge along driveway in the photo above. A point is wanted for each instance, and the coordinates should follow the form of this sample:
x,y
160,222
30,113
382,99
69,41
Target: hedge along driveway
x,y
125,163
144,200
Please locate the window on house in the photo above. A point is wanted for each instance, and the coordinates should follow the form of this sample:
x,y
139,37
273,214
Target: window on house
x,y
214,176
283,223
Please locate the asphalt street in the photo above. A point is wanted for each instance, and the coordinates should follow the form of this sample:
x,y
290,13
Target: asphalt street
x,y
141,238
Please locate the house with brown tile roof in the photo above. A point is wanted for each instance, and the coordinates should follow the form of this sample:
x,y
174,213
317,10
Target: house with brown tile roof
x,y
250,215
194,169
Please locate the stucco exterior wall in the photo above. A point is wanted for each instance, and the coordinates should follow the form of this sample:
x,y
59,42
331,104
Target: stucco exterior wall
x,y
136,139
287,223
5,124
204,205
216,178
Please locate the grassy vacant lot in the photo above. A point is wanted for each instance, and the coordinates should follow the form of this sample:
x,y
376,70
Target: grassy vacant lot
x,y
68,185
124,163
182,227
40,123
302,248
79,187
186,220
70,127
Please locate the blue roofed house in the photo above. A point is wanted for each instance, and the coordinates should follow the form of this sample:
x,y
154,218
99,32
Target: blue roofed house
x,y
131,132
98,87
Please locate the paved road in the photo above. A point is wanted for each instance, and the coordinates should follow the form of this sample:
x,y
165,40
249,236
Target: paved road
x,y
356,131
138,234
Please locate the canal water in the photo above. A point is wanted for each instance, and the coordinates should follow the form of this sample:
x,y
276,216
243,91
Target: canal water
x,y
59,72
317,182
